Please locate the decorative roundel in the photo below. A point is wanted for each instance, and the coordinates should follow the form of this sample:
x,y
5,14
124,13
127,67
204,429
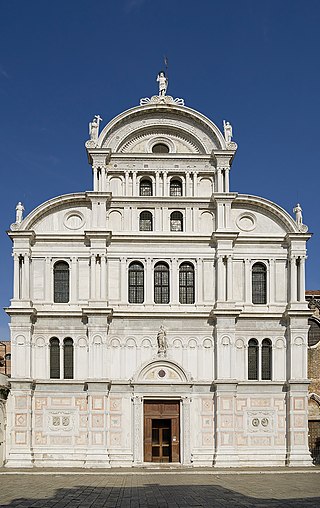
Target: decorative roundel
x,y
246,221
74,220
162,373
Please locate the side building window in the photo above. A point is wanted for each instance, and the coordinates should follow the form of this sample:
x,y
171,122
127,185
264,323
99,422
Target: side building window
x,y
259,283
161,283
145,221
175,187
61,282
145,187
266,359
176,221
136,283
186,283
54,358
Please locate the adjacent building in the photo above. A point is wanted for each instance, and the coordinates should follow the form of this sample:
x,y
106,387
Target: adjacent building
x,y
158,317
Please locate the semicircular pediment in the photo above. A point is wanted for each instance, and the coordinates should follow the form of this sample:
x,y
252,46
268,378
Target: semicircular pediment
x,y
163,371
195,132
141,141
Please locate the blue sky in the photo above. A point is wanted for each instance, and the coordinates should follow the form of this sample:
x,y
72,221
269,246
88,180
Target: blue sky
x,y
255,63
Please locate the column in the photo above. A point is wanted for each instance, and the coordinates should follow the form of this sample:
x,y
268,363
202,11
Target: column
x,y
16,277
93,277
226,179
220,278
187,185
157,193
95,178
186,450
137,429
293,278
174,282
74,279
272,281
165,183
134,183
199,281
123,282
301,296
219,180
247,281
26,278
103,179
148,282
229,278
195,183
48,280
103,282
126,190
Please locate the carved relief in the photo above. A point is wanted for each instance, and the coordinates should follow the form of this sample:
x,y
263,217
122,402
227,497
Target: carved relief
x,y
260,421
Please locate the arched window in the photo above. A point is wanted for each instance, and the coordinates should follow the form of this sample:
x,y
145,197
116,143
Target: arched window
x,y
68,358
161,283
145,221
314,332
54,358
136,283
175,188
253,358
176,221
266,359
259,283
61,282
186,283
160,148
145,187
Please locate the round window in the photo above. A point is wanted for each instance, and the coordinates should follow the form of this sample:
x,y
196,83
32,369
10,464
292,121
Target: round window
x,y
160,148
161,373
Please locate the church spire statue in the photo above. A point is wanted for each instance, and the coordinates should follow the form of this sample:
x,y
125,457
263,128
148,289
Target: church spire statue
x,y
163,83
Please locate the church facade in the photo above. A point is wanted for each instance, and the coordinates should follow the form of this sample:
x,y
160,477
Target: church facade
x,y
159,317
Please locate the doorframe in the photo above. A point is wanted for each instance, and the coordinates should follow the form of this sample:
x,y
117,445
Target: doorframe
x,y
159,400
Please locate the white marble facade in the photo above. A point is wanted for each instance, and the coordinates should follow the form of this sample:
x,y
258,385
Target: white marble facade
x,y
96,417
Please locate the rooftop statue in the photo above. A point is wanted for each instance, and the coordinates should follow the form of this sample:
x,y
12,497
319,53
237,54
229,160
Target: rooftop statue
x,y
227,127
94,127
163,83
298,211
19,212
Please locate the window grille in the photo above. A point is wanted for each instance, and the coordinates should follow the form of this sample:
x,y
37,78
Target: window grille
x,y
136,283
266,359
161,283
176,221
145,187
253,357
145,221
186,283
61,282
160,148
175,188
68,358
259,283
54,358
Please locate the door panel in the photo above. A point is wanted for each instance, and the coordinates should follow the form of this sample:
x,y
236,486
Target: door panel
x,y
161,431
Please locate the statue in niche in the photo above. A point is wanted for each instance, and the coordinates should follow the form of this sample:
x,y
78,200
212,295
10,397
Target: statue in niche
x,y
19,212
162,340
227,127
94,127
163,83
298,211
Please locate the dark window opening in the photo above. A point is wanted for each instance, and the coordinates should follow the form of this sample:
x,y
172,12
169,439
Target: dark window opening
x,y
54,358
136,283
259,284
145,187
160,148
176,221
186,283
266,359
161,283
145,221
253,358
68,358
61,282
175,188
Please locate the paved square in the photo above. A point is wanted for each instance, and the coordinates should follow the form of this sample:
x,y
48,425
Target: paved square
x,y
172,489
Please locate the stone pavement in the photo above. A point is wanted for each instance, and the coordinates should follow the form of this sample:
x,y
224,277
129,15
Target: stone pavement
x,y
161,488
